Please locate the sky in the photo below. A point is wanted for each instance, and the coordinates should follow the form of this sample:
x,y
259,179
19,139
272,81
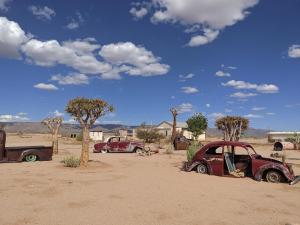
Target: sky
x,y
218,57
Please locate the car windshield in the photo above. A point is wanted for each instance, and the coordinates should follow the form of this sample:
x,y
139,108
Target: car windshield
x,y
251,150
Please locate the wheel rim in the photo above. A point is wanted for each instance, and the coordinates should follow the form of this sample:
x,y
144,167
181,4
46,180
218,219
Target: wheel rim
x,y
31,158
273,177
103,151
201,169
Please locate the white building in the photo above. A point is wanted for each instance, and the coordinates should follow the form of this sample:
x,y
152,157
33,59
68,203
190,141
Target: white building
x,y
281,135
96,134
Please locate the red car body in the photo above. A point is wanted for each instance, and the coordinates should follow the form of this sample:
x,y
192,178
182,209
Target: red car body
x,y
211,159
118,144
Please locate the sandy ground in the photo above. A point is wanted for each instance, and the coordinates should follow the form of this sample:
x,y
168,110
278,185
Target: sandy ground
x,y
127,189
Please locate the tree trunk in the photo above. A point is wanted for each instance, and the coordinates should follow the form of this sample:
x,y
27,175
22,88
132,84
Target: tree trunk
x,y
85,147
55,143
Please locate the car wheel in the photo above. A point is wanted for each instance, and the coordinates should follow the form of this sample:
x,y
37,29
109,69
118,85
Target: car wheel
x,y
138,150
30,158
201,168
274,177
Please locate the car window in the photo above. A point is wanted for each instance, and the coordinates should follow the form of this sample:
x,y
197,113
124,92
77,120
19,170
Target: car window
x,y
240,151
115,139
122,139
216,150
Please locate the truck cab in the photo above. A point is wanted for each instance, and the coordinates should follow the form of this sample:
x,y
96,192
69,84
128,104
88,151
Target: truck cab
x,y
23,153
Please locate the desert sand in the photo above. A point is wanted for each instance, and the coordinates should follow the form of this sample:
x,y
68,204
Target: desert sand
x,y
127,189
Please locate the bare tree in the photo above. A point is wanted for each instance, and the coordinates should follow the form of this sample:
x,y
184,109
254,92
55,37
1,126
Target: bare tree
x,y
232,127
53,125
174,114
86,112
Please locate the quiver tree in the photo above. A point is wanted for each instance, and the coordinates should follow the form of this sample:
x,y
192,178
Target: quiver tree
x,y
232,127
197,124
53,125
174,115
86,112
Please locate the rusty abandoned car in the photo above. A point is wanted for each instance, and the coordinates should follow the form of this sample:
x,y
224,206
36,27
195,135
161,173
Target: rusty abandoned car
x,y
238,159
23,153
118,144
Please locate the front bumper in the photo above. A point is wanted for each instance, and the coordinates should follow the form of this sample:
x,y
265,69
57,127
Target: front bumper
x,y
295,181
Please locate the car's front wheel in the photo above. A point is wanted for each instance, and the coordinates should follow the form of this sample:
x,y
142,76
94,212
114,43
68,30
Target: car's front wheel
x,y
273,176
30,158
201,168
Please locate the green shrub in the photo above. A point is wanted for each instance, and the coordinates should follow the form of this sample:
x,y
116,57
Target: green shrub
x,y
79,137
71,161
192,150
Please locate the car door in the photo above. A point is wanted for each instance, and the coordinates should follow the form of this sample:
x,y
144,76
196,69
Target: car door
x,y
113,144
215,160
123,145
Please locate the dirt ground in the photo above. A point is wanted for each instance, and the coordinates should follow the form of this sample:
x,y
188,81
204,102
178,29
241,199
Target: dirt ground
x,y
127,189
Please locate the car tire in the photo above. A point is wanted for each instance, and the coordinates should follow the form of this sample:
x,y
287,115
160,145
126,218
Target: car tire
x,y
30,158
104,151
201,168
273,176
138,150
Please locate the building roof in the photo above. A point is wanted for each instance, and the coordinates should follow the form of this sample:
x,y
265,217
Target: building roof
x,y
284,132
178,124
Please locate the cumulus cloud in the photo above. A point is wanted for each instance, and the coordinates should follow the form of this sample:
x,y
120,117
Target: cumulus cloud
x,y
81,54
133,59
242,95
11,38
138,13
47,87
43,13
4,5
75,22
184,108
294,51
57,113
189,90
72,79
207,105
197,16
221,73
13,118
262,88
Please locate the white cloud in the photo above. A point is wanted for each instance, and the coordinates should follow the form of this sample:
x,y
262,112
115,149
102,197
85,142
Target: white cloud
x,y
258,108
207,105
75,22
207,37
13,118
228,110
221,73
57,113
44,13
270,113
292,105
3,5
254,116
242,95
262,88
133,59
184,108
47,87
294,51
80,54
189,90
186,77
138,13
50,53
197,15
216,115
11,38
72,79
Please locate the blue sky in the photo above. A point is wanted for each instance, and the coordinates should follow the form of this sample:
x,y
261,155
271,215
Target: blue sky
x,y
218,57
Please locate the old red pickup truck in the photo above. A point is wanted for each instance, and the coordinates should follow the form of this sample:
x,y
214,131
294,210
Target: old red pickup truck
x,y
118,144
24,153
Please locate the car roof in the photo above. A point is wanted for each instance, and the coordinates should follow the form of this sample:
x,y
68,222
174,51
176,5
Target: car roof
x,y
232,143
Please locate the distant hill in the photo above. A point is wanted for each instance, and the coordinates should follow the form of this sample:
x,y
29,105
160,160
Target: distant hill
x,y
251,132
67,129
